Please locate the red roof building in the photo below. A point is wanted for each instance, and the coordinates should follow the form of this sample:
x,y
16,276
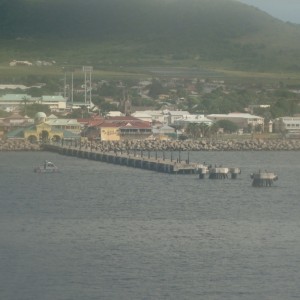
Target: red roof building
x,y
127,127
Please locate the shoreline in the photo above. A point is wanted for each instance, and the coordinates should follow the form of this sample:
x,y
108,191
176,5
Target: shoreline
x,y
150,145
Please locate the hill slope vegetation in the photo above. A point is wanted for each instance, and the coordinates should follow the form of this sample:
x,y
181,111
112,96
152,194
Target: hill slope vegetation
x,y
190,32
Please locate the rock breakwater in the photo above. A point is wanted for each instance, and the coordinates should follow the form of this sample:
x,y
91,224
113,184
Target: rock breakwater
x,y
9,145
153,145
199,145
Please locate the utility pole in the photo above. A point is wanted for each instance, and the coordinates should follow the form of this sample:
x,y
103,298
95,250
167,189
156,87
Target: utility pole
x,y
72,89
87,69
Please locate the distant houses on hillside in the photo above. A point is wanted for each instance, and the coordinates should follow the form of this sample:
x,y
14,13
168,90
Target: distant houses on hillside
x,y
27,63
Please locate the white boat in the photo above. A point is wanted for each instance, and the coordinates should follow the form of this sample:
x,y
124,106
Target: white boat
x,y
46,167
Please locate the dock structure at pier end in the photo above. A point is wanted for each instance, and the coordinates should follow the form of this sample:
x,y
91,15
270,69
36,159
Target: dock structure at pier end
x,y
263,179
218,172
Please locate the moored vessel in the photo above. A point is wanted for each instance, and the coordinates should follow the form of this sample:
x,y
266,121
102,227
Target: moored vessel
x,y
46,167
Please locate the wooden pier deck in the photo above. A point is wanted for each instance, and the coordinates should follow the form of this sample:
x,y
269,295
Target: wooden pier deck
x,y
129,160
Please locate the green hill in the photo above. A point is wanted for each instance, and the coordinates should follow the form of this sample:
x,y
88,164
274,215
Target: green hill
x,y
211,33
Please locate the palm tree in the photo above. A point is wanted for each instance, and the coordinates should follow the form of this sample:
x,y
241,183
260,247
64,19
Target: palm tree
x,y
197,130
25,100
213,129
192,130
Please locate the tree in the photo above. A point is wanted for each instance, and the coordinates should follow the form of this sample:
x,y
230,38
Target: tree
x,y
280,108
25,101
31,109
107,90
106,107
155,89
4,114
192,130
197,130
213,129
228,126
75,114
258,128
203,129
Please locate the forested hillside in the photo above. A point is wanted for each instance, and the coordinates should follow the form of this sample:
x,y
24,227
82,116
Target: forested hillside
x,y
222,32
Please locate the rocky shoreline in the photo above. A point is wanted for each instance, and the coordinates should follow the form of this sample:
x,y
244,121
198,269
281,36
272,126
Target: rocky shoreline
x,y
190,145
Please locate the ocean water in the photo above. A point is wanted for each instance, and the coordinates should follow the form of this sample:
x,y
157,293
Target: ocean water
x,y
102,231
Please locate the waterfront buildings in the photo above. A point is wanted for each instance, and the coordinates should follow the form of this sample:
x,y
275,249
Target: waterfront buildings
x,y
40,131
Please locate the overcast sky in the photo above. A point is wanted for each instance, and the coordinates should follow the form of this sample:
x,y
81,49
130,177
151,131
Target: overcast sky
x,y
286,10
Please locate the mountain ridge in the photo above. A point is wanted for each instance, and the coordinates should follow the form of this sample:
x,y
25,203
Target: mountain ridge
x,y
223,32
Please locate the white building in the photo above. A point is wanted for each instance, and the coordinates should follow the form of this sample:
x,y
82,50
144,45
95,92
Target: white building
x,y
114,114
242,120
288,125
65,124
164,130
13,87
14,100
188,119
55,103
142,115
172,116
157,116
20,63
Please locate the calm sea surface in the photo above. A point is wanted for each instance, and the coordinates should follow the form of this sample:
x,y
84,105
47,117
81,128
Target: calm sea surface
x,y
102,231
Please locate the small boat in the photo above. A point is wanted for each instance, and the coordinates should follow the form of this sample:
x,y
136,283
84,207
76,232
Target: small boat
x,y
46,167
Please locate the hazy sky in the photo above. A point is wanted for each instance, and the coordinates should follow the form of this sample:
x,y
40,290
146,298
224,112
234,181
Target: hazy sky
x,y
286,10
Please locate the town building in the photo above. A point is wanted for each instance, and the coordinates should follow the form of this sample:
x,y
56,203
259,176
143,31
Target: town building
x,y
13,122
114,114
15,100
244,121
289,126
173,116
157,116
119,128
195,119
164,132
65,124
20,63
13,87
41,131
55,103
142,115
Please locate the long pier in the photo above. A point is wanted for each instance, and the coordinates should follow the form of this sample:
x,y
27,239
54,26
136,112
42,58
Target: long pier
x,y
126,159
